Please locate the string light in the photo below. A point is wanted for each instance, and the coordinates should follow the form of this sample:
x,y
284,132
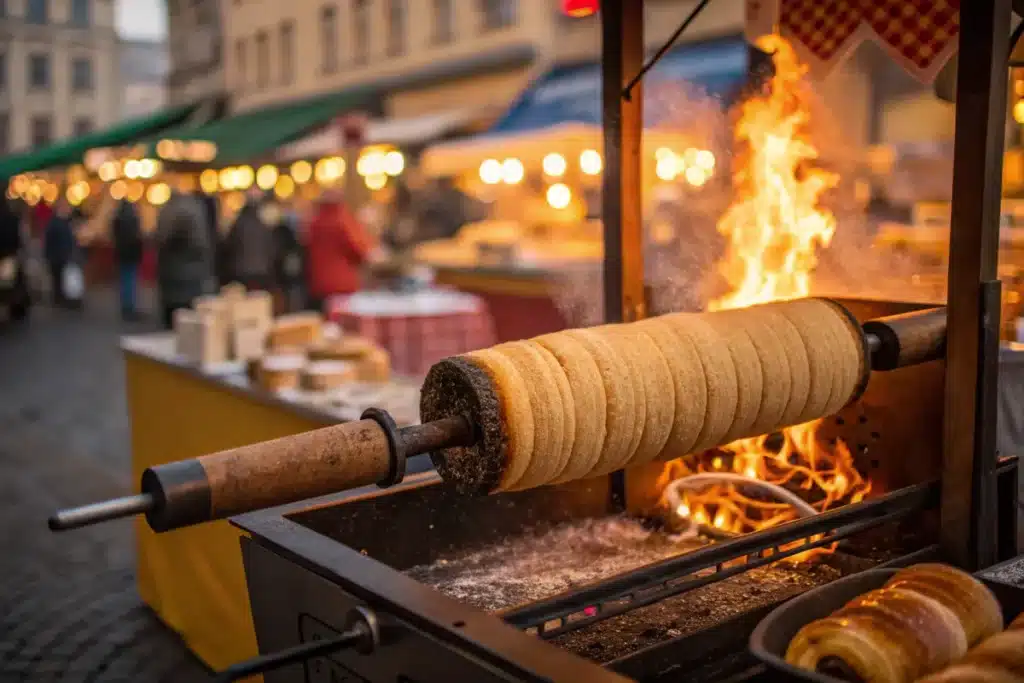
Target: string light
x,y
590,162
490,171
554,165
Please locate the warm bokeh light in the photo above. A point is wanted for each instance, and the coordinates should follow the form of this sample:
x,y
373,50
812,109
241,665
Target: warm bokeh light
x,y
696,176
554,165
301,172
208,180
135,190
591,162
490,171
376,181
285,187
132,169
148,168
559,195
266,177
665,169
244,177
512,171
119,189
50,193
394,163
158,193
108,171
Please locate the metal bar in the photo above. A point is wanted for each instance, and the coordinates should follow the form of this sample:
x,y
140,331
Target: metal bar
x,y
622,32
898,503
1007,514
973,250
104,511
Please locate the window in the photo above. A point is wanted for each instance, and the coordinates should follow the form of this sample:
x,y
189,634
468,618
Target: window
x,y
262,59
3,71
287,52
5,128
396,27
81,74
41,133
241,77
499,14
329,39
80,12
3,8
39,71
82,125
444,21
361,30
37,12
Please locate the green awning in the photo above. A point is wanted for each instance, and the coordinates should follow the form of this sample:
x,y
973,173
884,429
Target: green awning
x,y
72,150
254,134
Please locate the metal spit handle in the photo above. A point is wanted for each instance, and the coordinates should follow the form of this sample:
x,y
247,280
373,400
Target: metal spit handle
x,y
362,634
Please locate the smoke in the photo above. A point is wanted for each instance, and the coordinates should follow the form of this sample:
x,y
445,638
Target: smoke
x,y
681,274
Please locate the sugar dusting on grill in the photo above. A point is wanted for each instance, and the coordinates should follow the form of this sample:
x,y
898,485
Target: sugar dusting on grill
x,y
542,563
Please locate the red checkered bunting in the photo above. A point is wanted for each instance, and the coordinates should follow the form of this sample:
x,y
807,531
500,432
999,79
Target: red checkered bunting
x,y
918,34
415,342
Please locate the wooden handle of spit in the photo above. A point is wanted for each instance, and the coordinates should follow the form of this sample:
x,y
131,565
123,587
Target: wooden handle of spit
x,y
297,467
908,338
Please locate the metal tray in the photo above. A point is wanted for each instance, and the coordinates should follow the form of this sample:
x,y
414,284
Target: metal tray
x,y
771,637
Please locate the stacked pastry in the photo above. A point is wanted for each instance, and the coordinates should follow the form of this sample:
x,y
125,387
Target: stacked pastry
x,y
925,617
997,659
586,402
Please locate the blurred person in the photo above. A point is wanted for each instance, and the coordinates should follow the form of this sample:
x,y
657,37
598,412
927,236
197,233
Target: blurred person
x,y
249,246
184,255
337,245
59,249
289,255
212,209
14,289
126,229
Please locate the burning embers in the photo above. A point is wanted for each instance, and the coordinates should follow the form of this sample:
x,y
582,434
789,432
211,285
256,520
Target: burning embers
x,y
773,231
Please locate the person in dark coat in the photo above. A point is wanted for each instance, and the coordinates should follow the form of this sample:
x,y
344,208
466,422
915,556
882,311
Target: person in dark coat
x,y
10,228
184,256
289,259
212,209
59,248
126,230
249,246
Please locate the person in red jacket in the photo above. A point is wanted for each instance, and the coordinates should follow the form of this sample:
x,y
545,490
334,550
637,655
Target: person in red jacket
x,y
337,246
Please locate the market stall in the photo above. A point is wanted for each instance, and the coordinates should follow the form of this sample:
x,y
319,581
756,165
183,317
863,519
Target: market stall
x,y
538,171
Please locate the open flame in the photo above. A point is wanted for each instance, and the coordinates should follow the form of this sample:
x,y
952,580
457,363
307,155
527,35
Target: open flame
x,y
774,229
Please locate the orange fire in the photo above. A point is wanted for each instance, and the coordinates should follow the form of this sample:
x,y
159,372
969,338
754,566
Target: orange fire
x,y
774,229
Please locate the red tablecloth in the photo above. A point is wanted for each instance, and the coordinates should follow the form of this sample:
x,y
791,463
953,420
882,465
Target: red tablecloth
x,y
417,329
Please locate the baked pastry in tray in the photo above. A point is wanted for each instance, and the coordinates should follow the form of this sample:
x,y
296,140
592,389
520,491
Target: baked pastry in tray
x,y
890,634
925,618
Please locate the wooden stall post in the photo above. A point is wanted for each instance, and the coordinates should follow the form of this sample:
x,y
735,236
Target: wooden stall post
x,y
968,534
622,35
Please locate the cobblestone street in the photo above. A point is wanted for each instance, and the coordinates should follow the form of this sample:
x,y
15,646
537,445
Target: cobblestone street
x,y
69,610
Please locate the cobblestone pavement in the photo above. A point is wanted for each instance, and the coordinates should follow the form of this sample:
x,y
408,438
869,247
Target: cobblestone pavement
x,y
69,610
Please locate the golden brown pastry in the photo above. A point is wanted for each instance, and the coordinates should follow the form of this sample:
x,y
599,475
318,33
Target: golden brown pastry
x,y
969,599
689,387
548,426
588,402
620,409
732,330
797,361
776,376
1003,651
807,321
971,673
561,393
323,375
652,379
346,348
722,386
888,635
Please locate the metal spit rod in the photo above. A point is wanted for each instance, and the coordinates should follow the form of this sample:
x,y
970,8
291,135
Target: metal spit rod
x,y
373,450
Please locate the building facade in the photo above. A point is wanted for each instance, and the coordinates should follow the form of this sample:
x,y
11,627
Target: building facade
x,y
429,55
59,70
194,40
144,70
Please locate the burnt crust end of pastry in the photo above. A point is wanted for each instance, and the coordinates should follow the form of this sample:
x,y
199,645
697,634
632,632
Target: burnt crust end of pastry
x,y
457,386
864,369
